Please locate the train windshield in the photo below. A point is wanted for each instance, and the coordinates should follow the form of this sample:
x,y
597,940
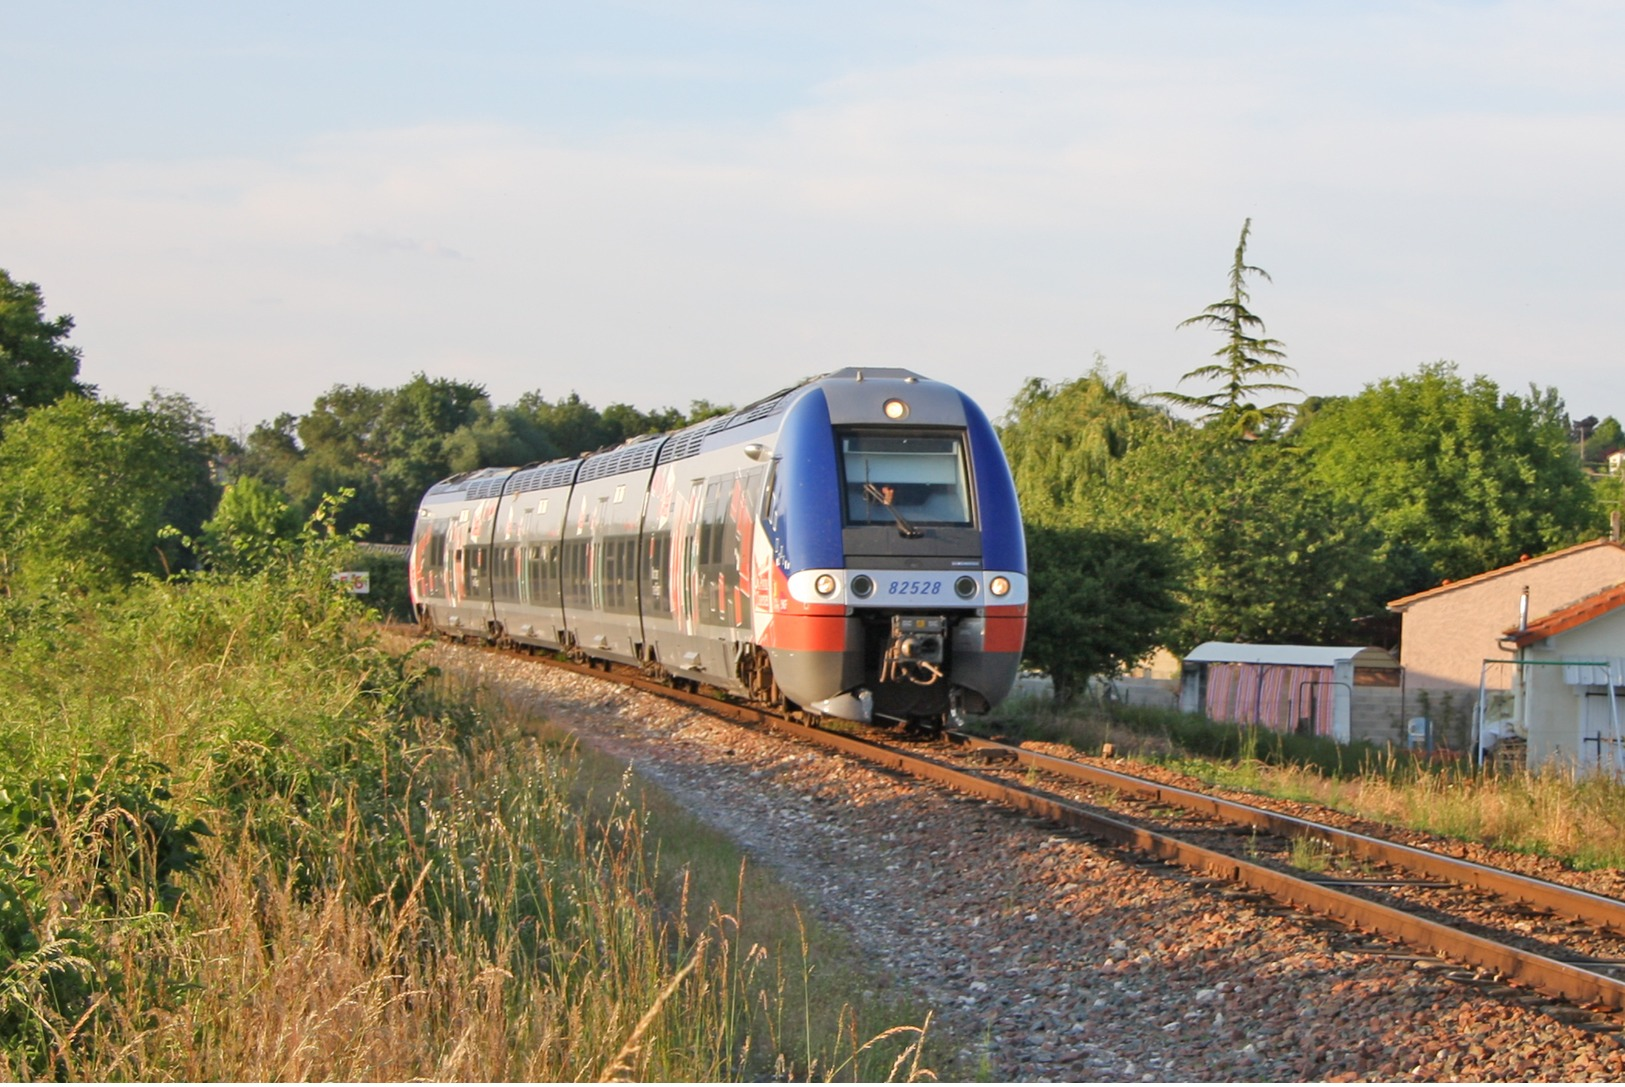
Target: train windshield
x,y
919,478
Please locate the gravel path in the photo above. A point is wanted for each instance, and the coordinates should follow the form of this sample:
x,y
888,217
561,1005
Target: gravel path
x,y
1049,957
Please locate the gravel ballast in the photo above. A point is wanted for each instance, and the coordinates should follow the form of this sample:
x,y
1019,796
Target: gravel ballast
x,y
1045,956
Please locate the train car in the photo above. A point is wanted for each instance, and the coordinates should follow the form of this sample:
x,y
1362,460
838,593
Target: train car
x,y
851,547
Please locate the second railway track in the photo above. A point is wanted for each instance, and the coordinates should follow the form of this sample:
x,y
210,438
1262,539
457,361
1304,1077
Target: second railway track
x,y
1583,964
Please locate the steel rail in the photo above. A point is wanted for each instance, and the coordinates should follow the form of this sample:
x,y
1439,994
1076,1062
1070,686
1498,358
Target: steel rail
x,y
1510,964
1542,894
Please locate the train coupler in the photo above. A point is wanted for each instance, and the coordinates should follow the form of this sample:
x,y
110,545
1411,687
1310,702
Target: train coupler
x,y
916,649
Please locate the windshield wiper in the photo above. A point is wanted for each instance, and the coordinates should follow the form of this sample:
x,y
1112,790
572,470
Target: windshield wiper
x,y
884,495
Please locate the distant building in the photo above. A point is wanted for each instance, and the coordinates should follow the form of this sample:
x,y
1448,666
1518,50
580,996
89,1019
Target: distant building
x,y
1153,681
1453,639
1570,702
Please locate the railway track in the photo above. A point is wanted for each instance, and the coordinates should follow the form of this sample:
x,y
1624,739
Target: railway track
x,y
1513,929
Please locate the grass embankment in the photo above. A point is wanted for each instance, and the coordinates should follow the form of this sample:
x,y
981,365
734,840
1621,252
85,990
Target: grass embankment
x,y
1578,820
240,841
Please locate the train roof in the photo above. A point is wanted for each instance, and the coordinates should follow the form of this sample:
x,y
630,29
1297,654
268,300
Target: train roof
x,y
647,450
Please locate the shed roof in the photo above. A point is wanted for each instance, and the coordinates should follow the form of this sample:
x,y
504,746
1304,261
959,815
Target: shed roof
x,y
1311,656
1523,564
1576,614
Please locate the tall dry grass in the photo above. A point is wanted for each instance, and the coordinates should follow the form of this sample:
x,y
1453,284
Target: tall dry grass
x,y
1576,818
239,841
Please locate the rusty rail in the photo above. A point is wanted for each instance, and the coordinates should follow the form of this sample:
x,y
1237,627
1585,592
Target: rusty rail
x,y
1542,894
1547,975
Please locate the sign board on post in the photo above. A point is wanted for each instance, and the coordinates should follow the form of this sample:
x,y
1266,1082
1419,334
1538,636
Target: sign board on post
x,y
357,581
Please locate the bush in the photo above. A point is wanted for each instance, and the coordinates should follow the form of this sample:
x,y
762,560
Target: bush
x,y
387,594
395,888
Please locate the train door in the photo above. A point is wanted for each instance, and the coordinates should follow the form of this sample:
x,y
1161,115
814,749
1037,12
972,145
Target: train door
x,y
689,618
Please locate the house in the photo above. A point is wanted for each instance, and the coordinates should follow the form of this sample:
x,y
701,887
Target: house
x,y
1345,692
1451,636
1570,705
1153,681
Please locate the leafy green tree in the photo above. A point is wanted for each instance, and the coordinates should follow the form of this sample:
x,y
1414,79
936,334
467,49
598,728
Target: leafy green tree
x,y
1256,550
191,432
388,446
1102,598
502,436
272,450
1268,555
252,526
1462,475
83,489
1606,437
410,449
1060,440
1103,594
37,367
1249,362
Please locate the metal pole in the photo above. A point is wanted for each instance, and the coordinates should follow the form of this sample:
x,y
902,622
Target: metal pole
x,y
1478,714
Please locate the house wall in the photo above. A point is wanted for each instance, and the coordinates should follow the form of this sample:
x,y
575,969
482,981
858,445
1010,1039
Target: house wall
x,y
1553,707
1450,710
1445,638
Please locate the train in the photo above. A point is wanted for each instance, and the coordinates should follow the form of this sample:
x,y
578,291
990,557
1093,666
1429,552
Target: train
x,y
850,547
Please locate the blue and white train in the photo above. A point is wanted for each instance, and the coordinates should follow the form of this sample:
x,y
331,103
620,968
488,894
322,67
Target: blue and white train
x,y
851,547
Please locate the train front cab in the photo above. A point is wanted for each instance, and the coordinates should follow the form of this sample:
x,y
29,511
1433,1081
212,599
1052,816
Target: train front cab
x,y
906,592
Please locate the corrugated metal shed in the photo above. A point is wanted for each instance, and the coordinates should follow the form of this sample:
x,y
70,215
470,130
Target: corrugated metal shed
x,y
1291,688
1303,656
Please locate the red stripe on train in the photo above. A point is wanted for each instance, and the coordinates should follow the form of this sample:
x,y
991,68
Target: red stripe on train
x,y
807,633
1006,629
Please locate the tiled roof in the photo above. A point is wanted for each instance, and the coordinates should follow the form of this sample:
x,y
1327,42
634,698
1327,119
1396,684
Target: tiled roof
x,y
1576,614
1451,586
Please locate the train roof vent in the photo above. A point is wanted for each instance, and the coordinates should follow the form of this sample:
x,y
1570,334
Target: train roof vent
x,y
686,443
760,410
545,477
474,483
457,483
628,458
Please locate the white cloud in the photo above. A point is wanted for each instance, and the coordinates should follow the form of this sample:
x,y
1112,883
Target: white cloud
x,y
981,214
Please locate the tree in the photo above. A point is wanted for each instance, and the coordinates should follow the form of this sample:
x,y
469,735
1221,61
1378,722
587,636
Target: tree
x,y
1255,549
83,489
272,449
1269,555
251,526
1605,438
36,366
1249,361
1102,598
190,432
1061,439
409,451
1463,475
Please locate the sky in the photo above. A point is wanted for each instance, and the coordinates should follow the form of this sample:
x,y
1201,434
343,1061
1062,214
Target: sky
x,y
657,203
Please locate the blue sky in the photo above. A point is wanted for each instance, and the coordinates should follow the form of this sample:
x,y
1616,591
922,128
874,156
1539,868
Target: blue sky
x,y
657,203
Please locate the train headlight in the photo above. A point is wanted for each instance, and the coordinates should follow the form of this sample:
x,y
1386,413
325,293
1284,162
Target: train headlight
x,y
965,586
863,585
896,410
825,585
999,586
